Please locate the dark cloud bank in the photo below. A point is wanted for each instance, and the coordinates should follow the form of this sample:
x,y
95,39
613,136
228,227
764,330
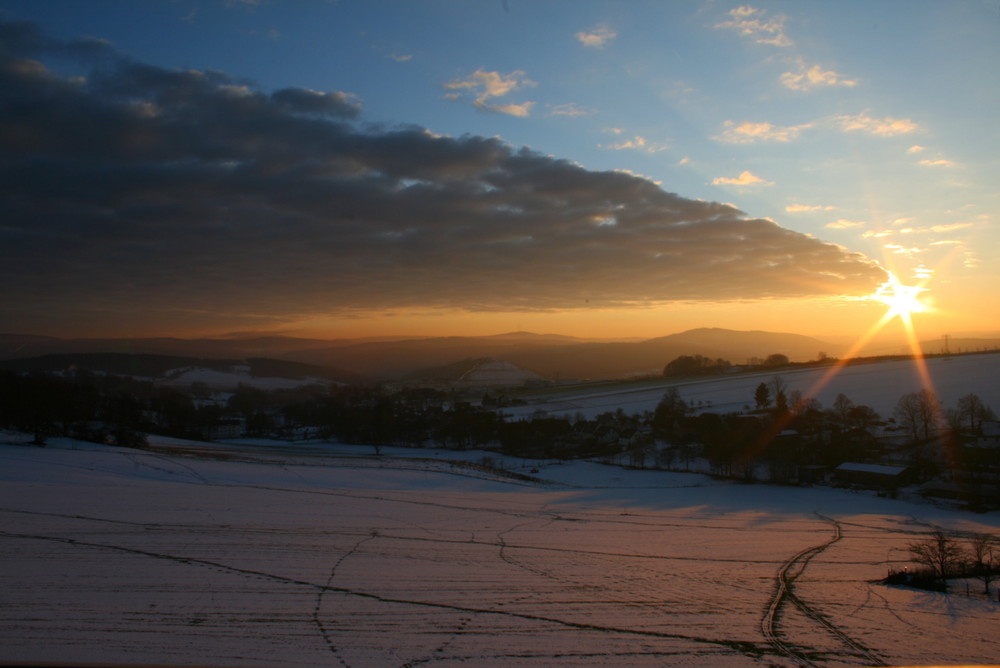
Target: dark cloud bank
x,y
131,189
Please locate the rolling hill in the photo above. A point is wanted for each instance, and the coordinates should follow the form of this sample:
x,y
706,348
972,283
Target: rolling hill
x,y
552,356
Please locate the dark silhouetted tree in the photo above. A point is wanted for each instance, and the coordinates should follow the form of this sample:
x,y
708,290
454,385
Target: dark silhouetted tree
x,y
669,412
690,365
776,359
917,412
762,396
939,554
983,553
841,410
971,412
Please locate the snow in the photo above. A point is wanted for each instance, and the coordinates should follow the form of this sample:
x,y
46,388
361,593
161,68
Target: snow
x,y
239,375
490,372
312,554
880,469
878,385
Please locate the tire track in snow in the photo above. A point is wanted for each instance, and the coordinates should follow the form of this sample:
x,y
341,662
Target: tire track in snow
x,y
785,579
326,588
625,591
747,648
135,459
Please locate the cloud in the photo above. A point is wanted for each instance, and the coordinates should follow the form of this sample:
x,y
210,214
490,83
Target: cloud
x,y
940,162
801,208
908,251
596,38
916,148
747,132
400,57
750,22
951,227
883,127
570,109
843,224
159,196
807,78
636,143
744,179
485,86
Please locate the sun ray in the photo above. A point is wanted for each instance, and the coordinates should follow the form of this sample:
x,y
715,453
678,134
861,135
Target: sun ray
x,y
901,301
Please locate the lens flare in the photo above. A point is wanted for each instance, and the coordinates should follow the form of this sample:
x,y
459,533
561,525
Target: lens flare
x,y
902,300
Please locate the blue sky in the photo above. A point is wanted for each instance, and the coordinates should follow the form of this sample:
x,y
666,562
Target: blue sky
x,y
867,125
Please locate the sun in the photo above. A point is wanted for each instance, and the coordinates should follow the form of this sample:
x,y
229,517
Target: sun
x,y
902,300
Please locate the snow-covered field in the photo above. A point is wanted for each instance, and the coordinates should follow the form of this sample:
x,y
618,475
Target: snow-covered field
x,y
877,385
293,557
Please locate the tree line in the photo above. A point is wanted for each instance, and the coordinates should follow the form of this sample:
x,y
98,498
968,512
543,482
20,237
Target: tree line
x,y
941,557
783,433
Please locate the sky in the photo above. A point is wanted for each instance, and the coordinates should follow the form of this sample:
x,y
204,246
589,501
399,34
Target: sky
x,y
599,169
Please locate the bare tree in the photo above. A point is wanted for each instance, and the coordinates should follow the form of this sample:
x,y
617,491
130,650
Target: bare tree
x,y
939,553
777,385
918,412
842,406
983,553
971,411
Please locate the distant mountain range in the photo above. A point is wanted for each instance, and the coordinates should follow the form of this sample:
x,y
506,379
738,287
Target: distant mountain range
x,y
552,356
143,365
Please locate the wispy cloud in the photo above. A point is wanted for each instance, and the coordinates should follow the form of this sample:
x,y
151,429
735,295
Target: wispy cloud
x,y
844,224
748,132
597,37
744,179
939,162
636,143
802,208
806,78
400,57
908,251
750,22
485,86
919,230
882,127
569,109
248,204
951,227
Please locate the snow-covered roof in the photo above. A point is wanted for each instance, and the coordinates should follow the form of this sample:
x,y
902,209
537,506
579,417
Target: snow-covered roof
x,y
880,469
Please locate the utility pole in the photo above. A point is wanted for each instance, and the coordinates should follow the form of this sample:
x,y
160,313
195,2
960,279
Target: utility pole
x,y
946,351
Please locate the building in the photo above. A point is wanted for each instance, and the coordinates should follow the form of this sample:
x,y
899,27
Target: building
x,y
871,476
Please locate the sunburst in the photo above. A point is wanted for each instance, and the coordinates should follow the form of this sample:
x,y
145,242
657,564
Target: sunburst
x,y
902,300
